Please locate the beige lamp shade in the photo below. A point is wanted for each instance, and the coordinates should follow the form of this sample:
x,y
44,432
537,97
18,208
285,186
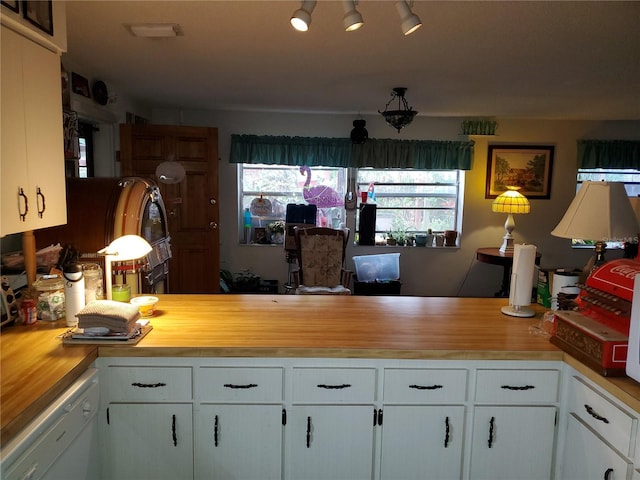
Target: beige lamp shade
x,y
127,247
600,211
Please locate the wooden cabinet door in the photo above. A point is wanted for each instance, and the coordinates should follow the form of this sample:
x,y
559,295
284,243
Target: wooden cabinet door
x,y
588,457
149,442
422,442
192,204
512,443
239,442
330,442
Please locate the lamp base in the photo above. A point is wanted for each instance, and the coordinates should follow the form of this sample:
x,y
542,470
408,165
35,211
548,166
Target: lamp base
x,y
518,311
507,244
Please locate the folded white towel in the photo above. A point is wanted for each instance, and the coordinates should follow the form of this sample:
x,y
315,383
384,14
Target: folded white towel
x,y
116,316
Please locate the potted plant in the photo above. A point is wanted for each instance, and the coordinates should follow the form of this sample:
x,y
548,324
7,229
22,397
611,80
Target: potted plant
x,y
390,239
276,230
401,238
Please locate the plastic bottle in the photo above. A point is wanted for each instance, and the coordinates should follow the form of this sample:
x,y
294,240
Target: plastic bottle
x,y
73,292
247,225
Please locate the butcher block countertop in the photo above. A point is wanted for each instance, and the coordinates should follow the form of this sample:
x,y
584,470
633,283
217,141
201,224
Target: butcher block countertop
x,y
37,367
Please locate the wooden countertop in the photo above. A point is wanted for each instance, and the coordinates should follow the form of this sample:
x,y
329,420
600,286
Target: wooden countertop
x,y
36,367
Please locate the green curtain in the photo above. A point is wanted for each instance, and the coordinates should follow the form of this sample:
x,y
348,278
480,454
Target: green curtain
x,y
609,154
340,152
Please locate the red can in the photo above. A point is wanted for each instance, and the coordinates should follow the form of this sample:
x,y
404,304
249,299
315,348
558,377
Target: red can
x,y
28,311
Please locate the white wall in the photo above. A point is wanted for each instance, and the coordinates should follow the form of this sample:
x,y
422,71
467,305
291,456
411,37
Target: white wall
x,y
426,272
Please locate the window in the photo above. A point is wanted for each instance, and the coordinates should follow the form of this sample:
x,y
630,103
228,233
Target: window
x,y
407,200
413,201
278,185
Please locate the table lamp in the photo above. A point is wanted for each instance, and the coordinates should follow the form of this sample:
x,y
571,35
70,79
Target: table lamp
x,y
600,211
127,247
510,202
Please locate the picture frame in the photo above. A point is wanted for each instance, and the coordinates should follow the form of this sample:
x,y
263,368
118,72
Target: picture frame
x,y
80,85
39,13
526,166
13,5
259,235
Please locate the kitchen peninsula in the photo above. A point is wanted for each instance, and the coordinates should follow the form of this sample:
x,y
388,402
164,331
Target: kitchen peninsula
x,y
36,367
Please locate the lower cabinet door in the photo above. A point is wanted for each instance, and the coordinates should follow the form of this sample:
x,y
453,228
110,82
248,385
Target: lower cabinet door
x,y
421,442
587,456
238,442
327,442
512,442
149,442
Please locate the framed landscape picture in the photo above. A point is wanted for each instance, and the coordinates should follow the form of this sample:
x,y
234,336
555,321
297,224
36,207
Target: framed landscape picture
x,y
526,166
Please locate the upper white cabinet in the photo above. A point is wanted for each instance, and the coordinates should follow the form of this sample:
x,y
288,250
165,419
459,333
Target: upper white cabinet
x,y
32,158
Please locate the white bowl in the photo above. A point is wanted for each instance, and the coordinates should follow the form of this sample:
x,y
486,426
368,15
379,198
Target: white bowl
x,y
146,305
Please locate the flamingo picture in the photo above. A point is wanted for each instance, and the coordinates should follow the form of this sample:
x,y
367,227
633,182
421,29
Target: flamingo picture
x,y
321,196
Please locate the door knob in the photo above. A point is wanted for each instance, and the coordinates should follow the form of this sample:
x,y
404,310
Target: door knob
x,y
212,201
213,225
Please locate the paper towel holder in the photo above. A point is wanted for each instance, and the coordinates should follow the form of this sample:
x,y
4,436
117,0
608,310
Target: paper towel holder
x,y
521,283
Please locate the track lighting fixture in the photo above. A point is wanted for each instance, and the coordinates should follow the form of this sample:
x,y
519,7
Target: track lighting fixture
x,y
410,21
352,19
359,134
301,18
401,117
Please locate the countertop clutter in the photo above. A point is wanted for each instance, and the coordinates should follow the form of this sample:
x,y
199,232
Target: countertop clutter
x,y
36,366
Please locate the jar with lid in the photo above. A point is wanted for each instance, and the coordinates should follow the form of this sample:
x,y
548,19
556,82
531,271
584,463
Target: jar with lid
x,y
50,302
93,282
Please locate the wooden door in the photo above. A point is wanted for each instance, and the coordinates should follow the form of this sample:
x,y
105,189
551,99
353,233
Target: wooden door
x,y
192,204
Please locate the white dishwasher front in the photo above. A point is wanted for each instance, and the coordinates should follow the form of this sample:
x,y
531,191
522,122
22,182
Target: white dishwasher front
x,y
62,442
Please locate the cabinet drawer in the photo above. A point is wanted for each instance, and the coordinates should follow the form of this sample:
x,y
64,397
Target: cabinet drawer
x,y
610,421
334,384
417,386
517,386
239,384
148,384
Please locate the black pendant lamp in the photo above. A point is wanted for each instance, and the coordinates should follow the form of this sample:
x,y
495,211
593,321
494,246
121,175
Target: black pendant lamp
x,y
401,117
359,134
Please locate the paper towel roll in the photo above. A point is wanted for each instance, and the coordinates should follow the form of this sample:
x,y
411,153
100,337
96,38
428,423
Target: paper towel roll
x,y
563,282
524,261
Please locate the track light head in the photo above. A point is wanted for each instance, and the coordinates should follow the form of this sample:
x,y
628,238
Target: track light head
x,y
352,19
410,22
301,18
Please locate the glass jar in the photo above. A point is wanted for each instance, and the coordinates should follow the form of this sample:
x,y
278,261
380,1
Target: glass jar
x,y
93,282
50,301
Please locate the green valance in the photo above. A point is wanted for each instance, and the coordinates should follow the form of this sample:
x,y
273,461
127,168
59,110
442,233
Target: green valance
x,y
609,154
340,152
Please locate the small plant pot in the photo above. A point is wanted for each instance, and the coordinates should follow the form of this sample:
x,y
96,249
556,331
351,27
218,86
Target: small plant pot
x,y
391,241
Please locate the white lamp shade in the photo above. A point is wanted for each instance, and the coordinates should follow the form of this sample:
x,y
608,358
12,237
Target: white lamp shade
x,y
127,247
410,22
600,211
301,18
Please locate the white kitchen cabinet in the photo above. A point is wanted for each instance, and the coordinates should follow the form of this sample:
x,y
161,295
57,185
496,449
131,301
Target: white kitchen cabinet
x,y
149,442
32,158
326,442
147,420
514,424
512,442
422,442
589,457
330,426
239,423
423,423
599,433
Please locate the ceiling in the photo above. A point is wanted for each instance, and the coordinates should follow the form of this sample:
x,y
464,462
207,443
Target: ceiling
x,y
540,59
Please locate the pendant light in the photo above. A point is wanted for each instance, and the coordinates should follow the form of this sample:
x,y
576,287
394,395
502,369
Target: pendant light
x,y
410,22
401,117
352,19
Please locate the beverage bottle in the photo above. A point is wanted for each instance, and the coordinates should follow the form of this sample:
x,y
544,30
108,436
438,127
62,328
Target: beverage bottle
x,y
247,225
73,291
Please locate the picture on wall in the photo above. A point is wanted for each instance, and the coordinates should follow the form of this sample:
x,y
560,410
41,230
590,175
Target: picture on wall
x,y
39,13
526,166
11,4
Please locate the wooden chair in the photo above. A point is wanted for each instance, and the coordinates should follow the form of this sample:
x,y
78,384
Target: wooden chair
x,y
320,253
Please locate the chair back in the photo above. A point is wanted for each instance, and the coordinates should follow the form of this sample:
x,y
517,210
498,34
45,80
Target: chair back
x,y
321,253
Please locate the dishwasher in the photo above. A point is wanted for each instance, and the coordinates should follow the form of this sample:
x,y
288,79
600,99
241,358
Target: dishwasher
x,y
61,443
